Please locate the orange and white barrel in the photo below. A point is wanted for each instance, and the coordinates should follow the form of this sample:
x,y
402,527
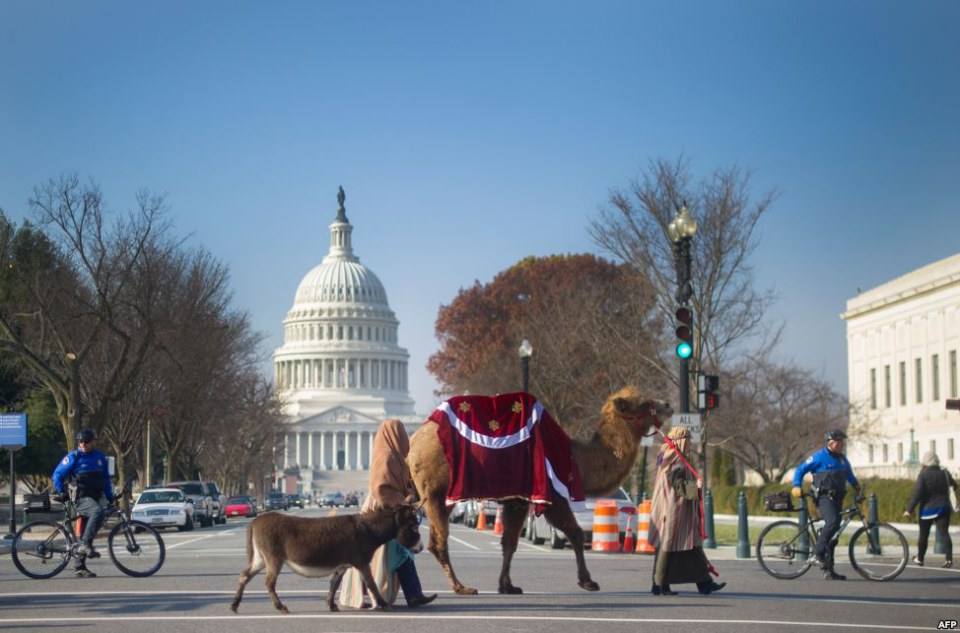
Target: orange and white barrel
x,y
643,529
606,528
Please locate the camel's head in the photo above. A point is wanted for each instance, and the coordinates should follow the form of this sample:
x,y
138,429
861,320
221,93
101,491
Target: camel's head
x,y
640,412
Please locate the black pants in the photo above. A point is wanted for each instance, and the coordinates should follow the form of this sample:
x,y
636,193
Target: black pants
x,y
409,580
829,508
943,531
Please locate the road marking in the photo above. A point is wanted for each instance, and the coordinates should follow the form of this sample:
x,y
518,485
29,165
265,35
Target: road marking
x,y
488,594
199,538
485,618
462,542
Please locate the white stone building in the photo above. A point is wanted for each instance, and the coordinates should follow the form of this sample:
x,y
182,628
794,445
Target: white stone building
x,y
340,370
902,343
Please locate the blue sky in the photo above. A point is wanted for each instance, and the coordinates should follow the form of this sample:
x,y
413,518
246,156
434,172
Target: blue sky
x,y
468,135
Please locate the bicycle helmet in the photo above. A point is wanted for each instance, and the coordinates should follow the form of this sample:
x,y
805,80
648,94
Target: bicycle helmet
x,y
835,434
86,435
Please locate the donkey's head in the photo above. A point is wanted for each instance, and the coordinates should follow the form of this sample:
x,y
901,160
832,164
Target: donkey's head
x,y
407,519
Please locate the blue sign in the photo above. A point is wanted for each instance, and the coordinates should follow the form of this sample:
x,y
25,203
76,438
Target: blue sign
x,y
13,430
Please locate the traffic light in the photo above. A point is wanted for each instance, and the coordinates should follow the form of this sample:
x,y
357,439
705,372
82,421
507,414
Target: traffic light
x,y
708,396
684,333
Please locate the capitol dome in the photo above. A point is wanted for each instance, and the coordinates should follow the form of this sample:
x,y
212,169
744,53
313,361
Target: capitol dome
x,y
340,339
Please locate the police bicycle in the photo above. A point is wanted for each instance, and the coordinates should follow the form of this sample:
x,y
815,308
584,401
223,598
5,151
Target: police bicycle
x,y
878,551
42,549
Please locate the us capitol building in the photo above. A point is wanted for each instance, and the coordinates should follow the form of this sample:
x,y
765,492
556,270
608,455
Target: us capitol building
x,y
340,371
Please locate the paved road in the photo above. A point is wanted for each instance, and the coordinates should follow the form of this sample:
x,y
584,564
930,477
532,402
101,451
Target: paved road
x,y
193,590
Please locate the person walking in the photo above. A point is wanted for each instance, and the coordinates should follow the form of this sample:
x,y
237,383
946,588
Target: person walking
x,y
390,486
87,467
932,494
676,520
831,473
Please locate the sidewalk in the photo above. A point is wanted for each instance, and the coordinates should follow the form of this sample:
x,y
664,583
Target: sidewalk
x,y
908,529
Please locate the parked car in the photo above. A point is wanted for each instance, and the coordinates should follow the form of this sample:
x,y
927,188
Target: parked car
x,y
351,499
240,507
196,491
216,499
473,508
332,499
538,530
296,499
164,507
275,501
458,511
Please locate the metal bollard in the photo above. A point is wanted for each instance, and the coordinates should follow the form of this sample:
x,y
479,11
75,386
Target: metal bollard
x,y
872,518
711,542
743,534
804,520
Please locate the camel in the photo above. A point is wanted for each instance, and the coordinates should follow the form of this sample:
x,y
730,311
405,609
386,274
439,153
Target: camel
x,y
604,462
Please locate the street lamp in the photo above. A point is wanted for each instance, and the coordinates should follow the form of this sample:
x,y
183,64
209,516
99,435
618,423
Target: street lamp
x,y
525,351
681,231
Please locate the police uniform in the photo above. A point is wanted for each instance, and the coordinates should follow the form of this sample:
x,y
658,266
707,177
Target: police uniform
x,y
91,474
831,473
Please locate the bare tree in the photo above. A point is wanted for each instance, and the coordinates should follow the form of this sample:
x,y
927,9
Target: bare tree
x,y
728,310
774,415
92,297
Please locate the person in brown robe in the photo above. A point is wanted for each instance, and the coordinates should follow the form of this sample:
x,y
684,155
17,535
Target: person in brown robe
x,y
675,522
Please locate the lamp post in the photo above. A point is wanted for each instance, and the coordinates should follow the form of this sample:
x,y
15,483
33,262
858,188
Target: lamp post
x,y
912,460
525,352
681,231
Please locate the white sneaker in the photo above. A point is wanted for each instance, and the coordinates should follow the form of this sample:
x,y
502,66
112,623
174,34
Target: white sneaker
x,y
917,562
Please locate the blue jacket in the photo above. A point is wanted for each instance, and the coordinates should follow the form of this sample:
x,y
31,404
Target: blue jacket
x,y
90,471
826,463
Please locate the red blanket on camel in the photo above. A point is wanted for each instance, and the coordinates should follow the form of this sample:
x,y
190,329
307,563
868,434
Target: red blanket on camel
x,y
506,446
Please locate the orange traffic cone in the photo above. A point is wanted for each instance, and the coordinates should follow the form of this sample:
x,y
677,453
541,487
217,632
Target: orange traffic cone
x,y
498,522
643,529
482,519
629,542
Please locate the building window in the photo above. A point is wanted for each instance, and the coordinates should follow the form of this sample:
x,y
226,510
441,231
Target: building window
x,y
953,373
330,332
349,332
339,332
870,453
886,454
933,446
950,449
918,365
886,386
935,376
903,383
873,388
900,452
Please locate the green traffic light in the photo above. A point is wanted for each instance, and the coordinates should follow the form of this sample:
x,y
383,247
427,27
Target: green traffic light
x,y
684,350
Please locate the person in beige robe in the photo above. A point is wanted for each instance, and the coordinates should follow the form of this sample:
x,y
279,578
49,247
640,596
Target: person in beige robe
x,y
390,486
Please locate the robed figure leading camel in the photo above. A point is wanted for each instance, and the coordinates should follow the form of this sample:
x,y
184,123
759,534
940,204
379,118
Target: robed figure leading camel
x,y
604,463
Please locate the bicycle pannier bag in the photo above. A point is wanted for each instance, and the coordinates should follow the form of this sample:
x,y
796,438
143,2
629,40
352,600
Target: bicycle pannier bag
x,y
778,502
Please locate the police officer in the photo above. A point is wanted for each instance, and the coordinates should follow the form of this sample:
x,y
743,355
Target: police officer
x,y
88,468
831,472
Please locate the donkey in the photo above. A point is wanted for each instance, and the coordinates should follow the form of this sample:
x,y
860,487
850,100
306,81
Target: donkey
x,y
319,547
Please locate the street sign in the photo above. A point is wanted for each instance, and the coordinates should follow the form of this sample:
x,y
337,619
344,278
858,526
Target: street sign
x,y
13,430
690,420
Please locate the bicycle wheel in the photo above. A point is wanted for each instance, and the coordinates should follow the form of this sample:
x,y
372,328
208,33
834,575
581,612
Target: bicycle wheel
x,y
879,552
136,548
783,550
41,549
